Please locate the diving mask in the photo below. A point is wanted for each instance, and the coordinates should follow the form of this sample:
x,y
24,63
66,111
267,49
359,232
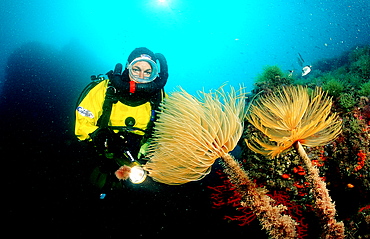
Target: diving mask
x,y
141,73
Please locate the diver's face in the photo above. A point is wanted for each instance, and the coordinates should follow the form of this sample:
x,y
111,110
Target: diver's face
x,y
141,69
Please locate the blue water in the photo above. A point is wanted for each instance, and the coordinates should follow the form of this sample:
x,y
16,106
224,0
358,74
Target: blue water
x,y
206,43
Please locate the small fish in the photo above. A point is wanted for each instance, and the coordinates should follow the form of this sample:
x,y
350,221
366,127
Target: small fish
x,y
306,70
290,73
350,185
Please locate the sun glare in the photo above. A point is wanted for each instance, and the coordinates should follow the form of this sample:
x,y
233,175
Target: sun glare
x,y
163,2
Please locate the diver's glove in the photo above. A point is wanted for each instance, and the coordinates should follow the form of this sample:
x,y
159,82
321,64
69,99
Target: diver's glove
x,y
143,150
116,77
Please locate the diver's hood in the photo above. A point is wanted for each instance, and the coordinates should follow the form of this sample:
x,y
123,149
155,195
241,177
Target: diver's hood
x,y
138,52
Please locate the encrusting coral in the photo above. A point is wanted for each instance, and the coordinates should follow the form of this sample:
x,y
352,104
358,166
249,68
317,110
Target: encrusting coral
x,y
192,133
255,198
292,117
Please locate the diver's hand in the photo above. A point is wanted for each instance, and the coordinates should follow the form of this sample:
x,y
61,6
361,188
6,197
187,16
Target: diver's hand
x,y
143,150
117,73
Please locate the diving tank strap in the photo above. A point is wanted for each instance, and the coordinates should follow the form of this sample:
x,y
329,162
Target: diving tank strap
x,y
110,99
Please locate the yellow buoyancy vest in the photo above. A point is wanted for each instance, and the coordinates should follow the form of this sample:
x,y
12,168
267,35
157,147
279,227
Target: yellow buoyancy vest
x,y
90,109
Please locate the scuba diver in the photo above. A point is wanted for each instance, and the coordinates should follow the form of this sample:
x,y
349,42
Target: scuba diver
x,y
116,116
